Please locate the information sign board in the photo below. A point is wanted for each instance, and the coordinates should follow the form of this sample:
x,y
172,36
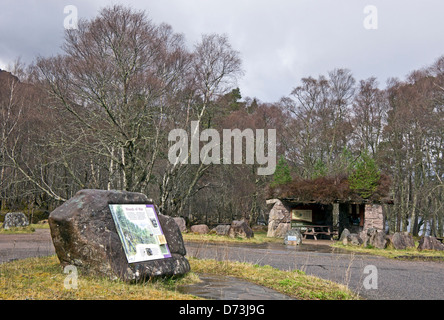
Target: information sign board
x,y
140,232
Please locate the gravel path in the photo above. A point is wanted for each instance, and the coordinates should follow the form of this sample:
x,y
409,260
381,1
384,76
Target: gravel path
x,y
21,246
400,280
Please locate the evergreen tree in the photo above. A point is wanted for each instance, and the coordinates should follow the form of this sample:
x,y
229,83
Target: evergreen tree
x,y
319,169
365,177
282,173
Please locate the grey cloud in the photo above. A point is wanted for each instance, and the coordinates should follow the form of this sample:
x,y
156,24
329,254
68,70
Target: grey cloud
x,y
280,41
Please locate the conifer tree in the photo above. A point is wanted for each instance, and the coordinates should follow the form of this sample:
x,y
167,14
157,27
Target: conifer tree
x,y
365,178
282,173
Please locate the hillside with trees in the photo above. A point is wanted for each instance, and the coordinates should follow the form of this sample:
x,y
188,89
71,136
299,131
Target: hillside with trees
x,y
98,116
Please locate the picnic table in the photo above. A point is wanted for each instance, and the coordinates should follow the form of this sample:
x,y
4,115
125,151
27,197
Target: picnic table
x,y
315,230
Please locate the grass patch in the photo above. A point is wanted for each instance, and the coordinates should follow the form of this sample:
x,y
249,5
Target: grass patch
x,y
293,283
43,279
259,237
390,252
28,229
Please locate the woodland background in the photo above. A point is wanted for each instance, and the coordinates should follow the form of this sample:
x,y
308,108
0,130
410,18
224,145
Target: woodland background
x,y
98,116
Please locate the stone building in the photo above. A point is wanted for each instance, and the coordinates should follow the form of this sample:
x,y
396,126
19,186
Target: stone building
x,y
328,202
355,216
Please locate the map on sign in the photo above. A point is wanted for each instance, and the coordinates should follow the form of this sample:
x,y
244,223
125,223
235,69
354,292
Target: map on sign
x,y
140,232
301,215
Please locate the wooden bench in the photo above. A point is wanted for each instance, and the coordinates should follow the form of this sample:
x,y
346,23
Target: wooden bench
x,y
315,230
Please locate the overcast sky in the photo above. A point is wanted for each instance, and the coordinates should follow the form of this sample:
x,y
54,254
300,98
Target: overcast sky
x,y
280,41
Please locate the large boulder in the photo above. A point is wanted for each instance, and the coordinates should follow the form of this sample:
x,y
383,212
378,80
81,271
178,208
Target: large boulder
x,y
222,229
374,237
200,229
14,220
401,240
85,235
240,228
348,238
430,243
352,239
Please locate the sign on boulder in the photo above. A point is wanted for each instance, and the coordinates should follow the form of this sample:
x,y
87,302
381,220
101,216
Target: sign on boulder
x,y
140,232
86,235
293,237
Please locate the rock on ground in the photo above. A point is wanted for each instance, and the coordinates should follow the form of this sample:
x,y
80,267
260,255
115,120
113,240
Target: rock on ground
x,y
401,240
293,237
200,229
348,238
181,224
240,228
222,229
84,235
354,239
430,243
14,220
374,237
345,233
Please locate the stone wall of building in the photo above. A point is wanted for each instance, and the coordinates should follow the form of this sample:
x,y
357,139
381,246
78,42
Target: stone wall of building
x,y
374,217
279,220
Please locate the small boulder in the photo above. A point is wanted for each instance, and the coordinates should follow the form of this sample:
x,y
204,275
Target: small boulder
x,y
222,229
181,223
293,237
430,243
374,237
15,220
240,229
348,238
200,229
402,240
354,239
343,238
